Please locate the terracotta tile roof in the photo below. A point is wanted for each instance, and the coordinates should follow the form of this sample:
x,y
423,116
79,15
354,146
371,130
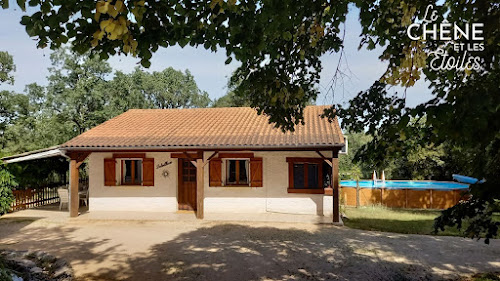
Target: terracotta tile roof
x,y
236,127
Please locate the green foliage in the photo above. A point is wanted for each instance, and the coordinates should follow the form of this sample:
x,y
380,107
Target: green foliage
x,y
415,162
7,182
400,220
80,95
230,100
279,43
479,212
348,168
40,173
169,88
7,66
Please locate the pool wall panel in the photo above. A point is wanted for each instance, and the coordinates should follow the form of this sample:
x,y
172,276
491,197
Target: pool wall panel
x,y
349,195
443,199
394,198
369,196
418,199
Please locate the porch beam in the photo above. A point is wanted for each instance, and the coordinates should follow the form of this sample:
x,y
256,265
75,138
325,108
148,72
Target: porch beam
x,y
210,158
328,161
336,187
200,188
193,161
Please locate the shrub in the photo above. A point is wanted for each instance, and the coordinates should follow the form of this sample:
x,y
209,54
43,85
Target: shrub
x,y
7,182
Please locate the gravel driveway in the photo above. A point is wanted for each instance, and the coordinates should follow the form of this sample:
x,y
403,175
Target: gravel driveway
x,y
152,250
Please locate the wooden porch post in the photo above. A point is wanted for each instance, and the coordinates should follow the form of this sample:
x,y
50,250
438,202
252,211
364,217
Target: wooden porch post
x,y
335,186
74,180
73,188
200,188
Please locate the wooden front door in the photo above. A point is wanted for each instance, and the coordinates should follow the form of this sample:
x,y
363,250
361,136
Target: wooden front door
x,y
186,195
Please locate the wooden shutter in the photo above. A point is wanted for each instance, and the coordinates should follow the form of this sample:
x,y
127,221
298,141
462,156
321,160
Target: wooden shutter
x,y
215,173
148,172
109,172
256,172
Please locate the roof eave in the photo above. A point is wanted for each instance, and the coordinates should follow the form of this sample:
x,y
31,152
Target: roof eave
x,y
49,152
311,147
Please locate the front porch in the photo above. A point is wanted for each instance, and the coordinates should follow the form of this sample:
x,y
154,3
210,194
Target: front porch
x,y
52,213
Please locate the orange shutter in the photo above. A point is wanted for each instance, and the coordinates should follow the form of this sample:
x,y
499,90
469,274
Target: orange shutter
x,y
109,172
148,171
215,172
256,172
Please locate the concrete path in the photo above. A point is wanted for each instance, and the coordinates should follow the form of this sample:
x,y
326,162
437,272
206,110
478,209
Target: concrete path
x,y
176,250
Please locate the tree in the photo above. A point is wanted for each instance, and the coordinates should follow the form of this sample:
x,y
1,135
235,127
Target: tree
x,y
77,89
80,95
278,43
348,167
172,89
6,67
230,100
169,88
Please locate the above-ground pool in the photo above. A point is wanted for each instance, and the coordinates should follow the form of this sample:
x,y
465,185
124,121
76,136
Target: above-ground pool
x,y
400,184
403,194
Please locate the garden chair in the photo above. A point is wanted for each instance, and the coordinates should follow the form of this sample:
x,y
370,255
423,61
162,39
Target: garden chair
x,y
63,197
84,196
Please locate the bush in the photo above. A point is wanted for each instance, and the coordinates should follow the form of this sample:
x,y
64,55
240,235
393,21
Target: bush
x,y
7,182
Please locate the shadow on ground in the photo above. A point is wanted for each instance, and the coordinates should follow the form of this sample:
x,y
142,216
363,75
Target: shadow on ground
x,y
237,252
225,251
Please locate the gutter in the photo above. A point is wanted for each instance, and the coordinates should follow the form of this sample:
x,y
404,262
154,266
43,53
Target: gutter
x,y
193,147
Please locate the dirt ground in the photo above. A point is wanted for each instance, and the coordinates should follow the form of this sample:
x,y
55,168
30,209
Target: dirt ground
x,y
175,250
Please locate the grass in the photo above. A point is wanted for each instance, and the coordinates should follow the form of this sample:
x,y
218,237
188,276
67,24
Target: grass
x,y
396,220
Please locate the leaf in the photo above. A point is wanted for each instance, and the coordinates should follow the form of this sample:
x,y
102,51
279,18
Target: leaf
x,y
228,60
145,63
112,12
287,35
97,16
119,5
25,20
5,4
102,7
21,4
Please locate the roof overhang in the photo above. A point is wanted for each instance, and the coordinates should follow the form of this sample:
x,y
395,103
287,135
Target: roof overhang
x,y
172,148
49,152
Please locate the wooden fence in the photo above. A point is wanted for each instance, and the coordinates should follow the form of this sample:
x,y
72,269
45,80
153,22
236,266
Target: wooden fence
x,y
31,198
36,197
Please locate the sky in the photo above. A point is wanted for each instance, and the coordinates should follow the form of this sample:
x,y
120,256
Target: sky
x,y
208,68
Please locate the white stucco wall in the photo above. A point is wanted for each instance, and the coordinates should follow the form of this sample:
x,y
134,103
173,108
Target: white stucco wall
x,y
273,196
162,197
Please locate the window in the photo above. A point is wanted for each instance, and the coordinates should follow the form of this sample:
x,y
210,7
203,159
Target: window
x,y
131,172
305,175
237,171
129,169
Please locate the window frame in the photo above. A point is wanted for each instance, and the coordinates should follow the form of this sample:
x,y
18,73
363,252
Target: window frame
x,y
133,183
226,166
306,161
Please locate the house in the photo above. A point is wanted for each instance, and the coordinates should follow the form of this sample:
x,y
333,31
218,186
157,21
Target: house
x,y
209,160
